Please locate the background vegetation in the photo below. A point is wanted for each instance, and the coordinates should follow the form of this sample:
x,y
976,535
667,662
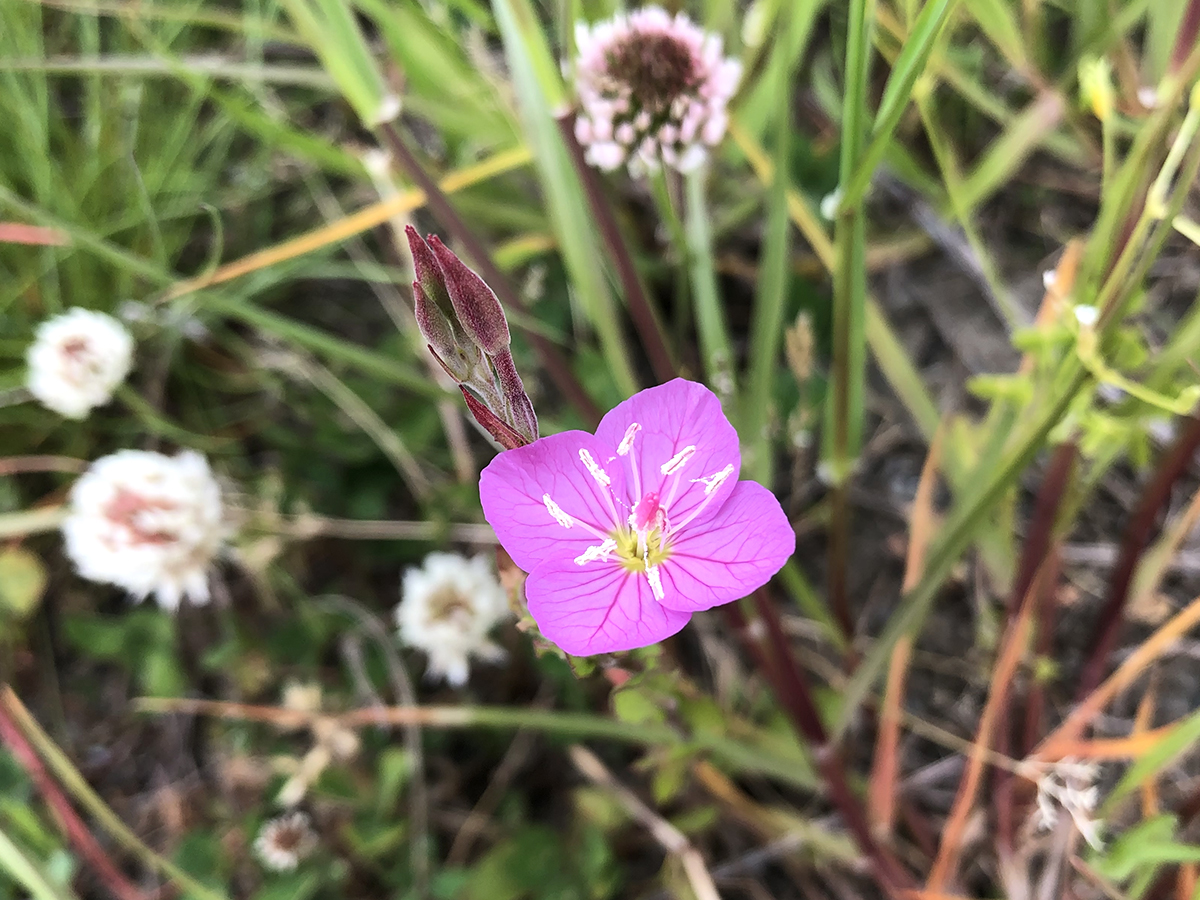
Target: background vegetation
x,y
992,491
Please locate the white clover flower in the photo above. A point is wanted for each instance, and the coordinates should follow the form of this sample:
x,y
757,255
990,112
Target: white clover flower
x,y
450,604
148,523
652,91
77,360
284,841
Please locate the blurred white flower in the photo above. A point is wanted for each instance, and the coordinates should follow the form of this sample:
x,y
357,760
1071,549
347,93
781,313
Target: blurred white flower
x,y
652,91
1069,784
450,604
284,841
77,360
148,523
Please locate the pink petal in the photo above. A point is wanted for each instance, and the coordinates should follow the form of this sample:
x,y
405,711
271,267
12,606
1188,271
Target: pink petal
x,y
730,554
597,608
514,483
674,416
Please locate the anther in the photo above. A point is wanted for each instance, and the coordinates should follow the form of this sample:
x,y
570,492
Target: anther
x,y
600,552
677,462
557,511
712,482
626,444
594,467
655,578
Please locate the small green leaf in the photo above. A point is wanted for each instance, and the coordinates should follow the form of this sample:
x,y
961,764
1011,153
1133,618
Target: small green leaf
x,y
22,583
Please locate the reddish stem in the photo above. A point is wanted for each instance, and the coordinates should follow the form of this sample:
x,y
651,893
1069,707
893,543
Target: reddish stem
x,y
1185,41
639,304
791,689
1133,545
77,832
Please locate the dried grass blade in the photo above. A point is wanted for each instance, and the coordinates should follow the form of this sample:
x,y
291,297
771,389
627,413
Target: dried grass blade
x,y
885,773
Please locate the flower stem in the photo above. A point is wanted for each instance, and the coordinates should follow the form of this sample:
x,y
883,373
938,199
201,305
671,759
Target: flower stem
x,y
791,689
648,326
1133,545
715,346
555,363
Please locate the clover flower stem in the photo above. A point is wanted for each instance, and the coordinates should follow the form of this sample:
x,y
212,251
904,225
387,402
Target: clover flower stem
x,y
649,328
555,363
794,694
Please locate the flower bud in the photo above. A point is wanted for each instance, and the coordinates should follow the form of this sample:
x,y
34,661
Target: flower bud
x,y
524,419
479,312
439,336
504,434
429,273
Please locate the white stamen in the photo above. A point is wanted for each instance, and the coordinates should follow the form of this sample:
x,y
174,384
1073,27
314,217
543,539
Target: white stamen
x,y
712,482
557,511
594,467
677,462
627,442
655,579
600,552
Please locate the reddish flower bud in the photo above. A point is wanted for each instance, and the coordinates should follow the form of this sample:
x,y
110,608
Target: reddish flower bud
x,y
524,418
429,273
495,426
458,361
479,312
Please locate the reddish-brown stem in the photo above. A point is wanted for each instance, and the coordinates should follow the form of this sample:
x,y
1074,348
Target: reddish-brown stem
x,y
1038,542
791,689
635,295
556,364
77,832
1185,41
839,558
1133,545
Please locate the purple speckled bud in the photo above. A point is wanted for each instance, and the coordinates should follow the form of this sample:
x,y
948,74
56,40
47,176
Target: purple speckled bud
x,y
479,312
429,273
524,418
440,338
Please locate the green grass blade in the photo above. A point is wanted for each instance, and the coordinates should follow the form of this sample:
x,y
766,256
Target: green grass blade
x,y
909,66
716,349
767,325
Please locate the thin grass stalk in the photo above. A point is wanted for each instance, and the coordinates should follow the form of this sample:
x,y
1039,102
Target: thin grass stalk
x,y
77,786
793,693
566,725
954,538
1039,547
556,364
716,348
994,710
767,326
77,832
640,309
846,407
1133,544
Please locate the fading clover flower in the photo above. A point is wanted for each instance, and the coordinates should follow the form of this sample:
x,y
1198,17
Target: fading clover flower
x,y
77,360
652,91
148,523
628,532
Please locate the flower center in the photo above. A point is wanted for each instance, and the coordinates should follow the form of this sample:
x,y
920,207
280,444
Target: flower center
x,y
656,67
637,557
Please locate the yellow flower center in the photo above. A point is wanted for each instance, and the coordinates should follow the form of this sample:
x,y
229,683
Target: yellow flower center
x,y
629,552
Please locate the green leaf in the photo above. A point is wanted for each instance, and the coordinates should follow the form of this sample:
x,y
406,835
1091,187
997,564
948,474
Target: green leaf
x,y
22,583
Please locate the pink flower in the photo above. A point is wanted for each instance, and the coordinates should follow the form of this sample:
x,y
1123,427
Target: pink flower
x,y
628,532
653,90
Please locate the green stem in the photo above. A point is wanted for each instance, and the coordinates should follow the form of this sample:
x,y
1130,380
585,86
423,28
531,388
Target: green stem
x,y
715,345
